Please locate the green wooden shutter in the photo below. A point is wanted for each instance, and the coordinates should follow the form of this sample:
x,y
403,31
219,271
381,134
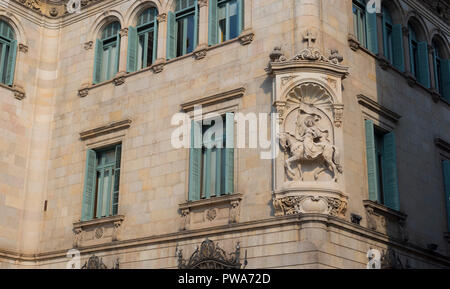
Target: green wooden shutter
x,y
98,61
155,40
213,23
446,169
397,43
240,15
132,49
171,35
371,156
229,154
115,199
424,67
389,165
196,18
87,211
116,69
372,37
11,63
445,79
195,162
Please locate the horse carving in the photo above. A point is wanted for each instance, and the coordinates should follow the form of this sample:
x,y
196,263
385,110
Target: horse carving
x,y
309,144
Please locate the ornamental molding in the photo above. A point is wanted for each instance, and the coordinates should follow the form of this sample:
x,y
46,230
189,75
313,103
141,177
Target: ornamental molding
x,y
200,52
247,37
333,204
386,221
214,99
218,211
23,48
19,92
210,256
95,263
105,129
97,231
442,144
378,108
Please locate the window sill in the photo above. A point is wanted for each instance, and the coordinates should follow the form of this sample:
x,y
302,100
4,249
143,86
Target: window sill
x,y
18,91
205,213
386,220
447,237
97,231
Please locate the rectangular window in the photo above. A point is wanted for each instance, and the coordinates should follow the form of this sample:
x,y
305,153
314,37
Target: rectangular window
x,y
359,22
211,169
225,20
101,188
381,166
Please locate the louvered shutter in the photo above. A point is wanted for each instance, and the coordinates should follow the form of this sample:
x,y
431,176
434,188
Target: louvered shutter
x,y
372,173
87,212
132,49
389,165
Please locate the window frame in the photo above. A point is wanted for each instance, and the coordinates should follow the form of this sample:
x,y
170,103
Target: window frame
x,y
8,53
108,43
145,29
182,16
93,204
360,22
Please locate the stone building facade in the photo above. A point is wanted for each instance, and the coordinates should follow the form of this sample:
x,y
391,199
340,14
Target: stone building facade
x,y
339,78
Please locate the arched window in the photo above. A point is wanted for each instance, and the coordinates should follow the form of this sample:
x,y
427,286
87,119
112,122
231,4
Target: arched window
x,y
441,70
226,18
107,51
8,50
182,32
418,51
393,40
365,26
143,41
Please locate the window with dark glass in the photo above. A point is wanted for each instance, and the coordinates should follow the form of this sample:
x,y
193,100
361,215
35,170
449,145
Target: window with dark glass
x,y
8,50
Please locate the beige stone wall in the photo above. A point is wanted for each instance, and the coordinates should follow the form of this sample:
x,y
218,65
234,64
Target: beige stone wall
x,y
44,159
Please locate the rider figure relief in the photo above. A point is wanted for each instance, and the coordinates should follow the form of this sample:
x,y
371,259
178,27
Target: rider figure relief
x,y
310,143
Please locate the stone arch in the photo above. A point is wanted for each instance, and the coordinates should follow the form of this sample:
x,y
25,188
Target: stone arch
x,y
138,7
396,11
103,20
419,26
16,26
437,37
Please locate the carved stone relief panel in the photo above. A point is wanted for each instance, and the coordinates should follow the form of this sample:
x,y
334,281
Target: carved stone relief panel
x,y
97,231
211,212
309,172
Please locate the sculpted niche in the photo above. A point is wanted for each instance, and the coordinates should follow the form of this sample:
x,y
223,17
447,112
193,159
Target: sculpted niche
x,y
308,135
308,173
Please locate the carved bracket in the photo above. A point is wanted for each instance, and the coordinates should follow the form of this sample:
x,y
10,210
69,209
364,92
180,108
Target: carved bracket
x,y
247,37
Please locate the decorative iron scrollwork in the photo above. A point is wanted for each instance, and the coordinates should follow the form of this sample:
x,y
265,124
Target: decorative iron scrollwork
x,y
211,256
94,262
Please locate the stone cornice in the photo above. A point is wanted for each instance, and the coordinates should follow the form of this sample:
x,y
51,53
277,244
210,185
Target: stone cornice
x,y
442,144
106,129
213,99
332,223
375,107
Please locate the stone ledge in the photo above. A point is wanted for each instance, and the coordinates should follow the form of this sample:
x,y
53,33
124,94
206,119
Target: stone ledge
x,y
213,99
377,108
386,221
211,212
17,90
106,129
97,231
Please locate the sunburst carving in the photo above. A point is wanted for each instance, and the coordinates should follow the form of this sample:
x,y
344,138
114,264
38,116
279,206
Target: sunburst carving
x,y
311,94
